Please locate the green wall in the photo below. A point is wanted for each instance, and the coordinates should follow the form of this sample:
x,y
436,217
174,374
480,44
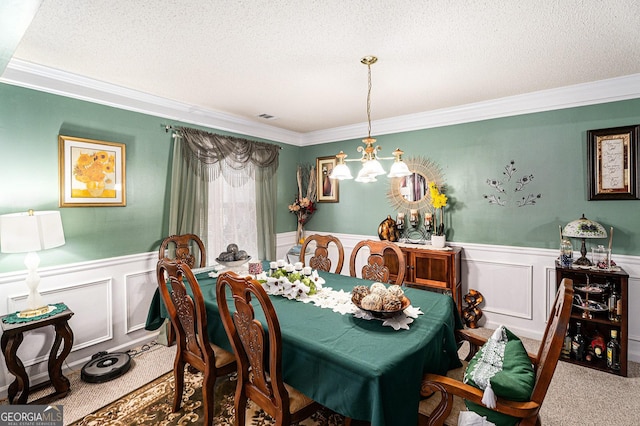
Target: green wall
x,y
30,122
550,145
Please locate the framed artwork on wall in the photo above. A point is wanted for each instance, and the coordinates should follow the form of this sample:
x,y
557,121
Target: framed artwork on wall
x,y
328,191
91,173
613,163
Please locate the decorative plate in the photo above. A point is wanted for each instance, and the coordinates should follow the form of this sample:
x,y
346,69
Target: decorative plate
x,y
386,314
590,289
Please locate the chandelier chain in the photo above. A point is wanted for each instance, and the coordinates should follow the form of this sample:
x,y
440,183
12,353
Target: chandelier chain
x,y
369,101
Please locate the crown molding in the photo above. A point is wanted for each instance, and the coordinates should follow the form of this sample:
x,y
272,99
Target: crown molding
x,y
592,93
49,80
45,79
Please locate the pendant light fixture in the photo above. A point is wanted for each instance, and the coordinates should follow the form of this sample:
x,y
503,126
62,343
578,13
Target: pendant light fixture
x,y
371,166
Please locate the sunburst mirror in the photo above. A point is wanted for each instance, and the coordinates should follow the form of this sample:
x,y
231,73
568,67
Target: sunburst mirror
x,y
412,192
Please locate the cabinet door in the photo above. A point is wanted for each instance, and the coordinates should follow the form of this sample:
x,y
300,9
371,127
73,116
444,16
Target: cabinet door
x,y
391,262
431,269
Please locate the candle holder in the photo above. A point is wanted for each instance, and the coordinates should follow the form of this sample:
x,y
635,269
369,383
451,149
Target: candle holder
x,y
413,217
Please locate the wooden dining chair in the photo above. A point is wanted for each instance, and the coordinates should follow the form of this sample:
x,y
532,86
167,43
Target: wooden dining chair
x,y
182,297
375,268
442,408
320,259
183,247
258,349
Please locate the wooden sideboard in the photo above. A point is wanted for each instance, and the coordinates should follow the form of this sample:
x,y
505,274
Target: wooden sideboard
x,y
430,269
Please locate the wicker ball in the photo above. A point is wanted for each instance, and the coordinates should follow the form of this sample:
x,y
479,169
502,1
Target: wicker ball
x,y
378,288
358,293
391,302
396,290
372,302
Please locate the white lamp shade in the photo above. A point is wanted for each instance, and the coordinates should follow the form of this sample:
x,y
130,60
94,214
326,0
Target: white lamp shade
x,y
399,169
341,172
373,168
365,177
584,228
22,232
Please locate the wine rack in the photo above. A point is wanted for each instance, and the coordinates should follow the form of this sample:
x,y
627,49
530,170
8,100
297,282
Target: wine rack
x,y
594,320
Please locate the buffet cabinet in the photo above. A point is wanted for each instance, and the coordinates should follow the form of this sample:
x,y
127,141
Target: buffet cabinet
x,y
430,269
592,290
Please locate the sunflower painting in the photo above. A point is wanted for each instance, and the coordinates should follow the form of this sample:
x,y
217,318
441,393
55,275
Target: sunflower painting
x,y
91,172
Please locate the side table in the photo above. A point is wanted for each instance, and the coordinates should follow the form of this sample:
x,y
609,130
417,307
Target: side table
x,y
12,336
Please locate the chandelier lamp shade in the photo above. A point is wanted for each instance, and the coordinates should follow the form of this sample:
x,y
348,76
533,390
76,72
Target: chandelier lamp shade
x,y
371,167
30,232
584,228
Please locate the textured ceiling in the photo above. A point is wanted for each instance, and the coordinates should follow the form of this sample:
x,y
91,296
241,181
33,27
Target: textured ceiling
x,y
300,60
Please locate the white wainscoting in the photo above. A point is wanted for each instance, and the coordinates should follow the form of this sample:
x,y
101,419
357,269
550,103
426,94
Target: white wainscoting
x,y
110,298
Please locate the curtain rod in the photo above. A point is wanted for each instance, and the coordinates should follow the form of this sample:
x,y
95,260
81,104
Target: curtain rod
x,y
168,127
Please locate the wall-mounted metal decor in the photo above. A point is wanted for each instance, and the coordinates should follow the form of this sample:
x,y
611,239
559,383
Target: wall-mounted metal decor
x,y
510,190
612,156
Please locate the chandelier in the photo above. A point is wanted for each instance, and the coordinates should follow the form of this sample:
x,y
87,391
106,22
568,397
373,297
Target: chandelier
x,y
371,166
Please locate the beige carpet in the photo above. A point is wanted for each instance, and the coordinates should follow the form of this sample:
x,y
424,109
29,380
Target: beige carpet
x,y
148,363
577,395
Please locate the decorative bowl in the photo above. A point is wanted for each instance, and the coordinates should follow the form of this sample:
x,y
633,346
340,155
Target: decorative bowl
x,y
233,263
386,314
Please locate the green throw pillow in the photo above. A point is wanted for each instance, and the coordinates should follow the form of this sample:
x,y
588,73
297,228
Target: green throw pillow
x,y
506,365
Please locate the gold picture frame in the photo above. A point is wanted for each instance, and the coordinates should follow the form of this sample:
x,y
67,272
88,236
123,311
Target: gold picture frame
x,y
613,163
91,173
328,190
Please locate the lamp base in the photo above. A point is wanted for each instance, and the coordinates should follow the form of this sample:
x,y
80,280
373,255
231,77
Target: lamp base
x,y
583,261
30,313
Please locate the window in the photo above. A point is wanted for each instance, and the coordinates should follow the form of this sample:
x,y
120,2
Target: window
x,y
232,218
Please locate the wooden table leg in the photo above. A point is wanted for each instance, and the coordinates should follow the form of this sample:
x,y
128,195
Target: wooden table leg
x,y
59,381
20,386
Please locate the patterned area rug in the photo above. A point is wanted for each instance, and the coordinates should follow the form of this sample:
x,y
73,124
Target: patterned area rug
x,y
151,405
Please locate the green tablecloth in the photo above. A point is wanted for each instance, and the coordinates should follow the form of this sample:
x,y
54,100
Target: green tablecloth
x,y
355,367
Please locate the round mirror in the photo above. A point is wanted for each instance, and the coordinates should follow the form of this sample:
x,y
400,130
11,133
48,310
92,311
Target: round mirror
x,y
412,192
413,187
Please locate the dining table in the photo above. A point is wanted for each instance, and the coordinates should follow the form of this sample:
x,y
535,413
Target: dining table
x,y
356,367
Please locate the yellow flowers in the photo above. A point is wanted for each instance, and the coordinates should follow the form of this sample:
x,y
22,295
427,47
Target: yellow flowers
x,y
93,167
438,200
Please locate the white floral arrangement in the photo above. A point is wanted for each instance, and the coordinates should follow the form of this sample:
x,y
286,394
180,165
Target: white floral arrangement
x,y
290,281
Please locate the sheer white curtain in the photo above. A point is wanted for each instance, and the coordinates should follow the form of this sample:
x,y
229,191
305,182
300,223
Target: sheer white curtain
x,y
232,218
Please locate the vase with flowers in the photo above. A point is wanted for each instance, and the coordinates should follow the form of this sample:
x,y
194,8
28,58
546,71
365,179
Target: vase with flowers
x,y
439,202
305,202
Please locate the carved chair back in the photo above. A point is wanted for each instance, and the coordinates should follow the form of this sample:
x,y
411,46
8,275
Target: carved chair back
x,y
184,247
183,300
375,268
320,259
257,343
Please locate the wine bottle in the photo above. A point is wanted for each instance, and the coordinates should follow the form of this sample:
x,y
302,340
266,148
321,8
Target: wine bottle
x,y
566,348
613,351
577,344
614,304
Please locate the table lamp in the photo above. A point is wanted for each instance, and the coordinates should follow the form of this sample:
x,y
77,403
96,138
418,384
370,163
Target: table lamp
x,y
28,233
584,228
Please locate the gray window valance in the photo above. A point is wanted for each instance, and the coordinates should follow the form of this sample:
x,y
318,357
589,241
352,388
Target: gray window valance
x,y
236,159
